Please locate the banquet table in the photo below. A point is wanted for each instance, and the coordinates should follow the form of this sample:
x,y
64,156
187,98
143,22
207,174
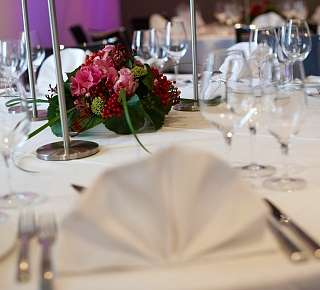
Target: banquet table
x,y
267,270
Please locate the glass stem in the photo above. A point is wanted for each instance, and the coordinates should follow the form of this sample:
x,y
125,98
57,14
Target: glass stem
x,y
285,157
176,70
253,134
289,71
228,141
7,160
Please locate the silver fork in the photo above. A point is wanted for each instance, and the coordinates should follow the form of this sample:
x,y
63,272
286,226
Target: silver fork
x,y
47,232
26,231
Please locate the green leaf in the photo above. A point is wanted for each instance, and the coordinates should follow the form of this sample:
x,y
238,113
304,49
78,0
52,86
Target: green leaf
x,y
153,108
128,118
73,73
137,115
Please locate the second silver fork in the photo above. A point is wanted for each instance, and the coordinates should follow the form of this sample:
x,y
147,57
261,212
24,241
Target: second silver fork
x,y
26,231
47,231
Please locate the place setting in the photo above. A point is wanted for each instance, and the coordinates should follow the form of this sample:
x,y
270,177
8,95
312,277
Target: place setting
x,y
178,151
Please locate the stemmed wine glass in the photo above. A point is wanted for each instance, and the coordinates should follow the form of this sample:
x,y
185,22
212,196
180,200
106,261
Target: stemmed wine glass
x,y
176,44
285,110
263,45
15,126
296,40
162,53
144,45
226,98
13,60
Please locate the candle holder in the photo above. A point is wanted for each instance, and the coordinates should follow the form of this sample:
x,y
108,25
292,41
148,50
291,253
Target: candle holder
x,y
37,115
66,149
192,105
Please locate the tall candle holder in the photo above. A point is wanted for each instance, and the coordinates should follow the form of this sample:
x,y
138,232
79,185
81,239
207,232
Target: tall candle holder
x,y
66,149
192,105
37,115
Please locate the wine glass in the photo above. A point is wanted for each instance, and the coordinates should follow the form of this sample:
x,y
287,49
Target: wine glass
x,y
162,53
13,60
144,45
263,43
296,40
263,46
176,44
15,125
285,110
226,96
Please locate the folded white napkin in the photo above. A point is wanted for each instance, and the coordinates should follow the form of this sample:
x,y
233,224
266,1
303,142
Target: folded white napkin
x,y
71,58
179,205
268,19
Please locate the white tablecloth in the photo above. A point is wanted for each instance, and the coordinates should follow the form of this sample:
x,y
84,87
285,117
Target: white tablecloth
x,y
270,270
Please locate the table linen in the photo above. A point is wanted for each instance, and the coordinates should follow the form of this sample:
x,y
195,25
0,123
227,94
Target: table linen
x,y
270,270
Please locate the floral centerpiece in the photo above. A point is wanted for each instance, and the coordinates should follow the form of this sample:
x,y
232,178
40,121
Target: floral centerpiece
x,y
113,89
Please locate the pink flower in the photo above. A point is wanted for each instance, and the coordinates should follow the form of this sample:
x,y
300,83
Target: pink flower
x,y
126,81
107,49
84,79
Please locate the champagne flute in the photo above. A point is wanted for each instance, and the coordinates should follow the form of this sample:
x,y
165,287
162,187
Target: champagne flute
x,y
15,125
285,110
144,45
176,44
226,96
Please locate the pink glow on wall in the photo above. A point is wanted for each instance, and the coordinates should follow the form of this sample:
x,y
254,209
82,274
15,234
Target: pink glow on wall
x,y
93,15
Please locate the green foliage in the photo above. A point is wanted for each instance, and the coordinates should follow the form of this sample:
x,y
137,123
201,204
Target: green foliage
x,y
137,116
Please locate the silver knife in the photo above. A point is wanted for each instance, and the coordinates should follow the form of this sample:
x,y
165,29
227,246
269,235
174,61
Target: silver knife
x,y
285,220
78,188
294,253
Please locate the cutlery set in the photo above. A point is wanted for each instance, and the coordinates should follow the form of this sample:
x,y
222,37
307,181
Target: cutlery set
x,y
44,227
295,253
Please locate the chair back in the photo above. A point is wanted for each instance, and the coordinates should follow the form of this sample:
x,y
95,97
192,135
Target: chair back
x,y
78,34
312,63
242,32
119,36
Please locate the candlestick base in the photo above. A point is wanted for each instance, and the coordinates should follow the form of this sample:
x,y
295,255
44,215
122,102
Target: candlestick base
x,y
187,105
78,149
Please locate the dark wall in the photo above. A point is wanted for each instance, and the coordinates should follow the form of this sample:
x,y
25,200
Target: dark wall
x,y
144,8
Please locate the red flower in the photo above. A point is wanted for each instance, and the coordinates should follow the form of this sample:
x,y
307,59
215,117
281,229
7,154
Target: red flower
x,y
163,88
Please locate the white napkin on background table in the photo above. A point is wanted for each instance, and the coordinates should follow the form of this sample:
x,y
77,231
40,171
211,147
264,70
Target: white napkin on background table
x,y
179,205
71,58
268,19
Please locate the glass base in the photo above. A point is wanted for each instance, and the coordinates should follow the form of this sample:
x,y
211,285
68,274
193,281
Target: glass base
x,y
287,184
19,199
187,105
256,170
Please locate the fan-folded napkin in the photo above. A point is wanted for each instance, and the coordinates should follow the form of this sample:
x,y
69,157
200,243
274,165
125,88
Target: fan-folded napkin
x,y
179,205
71,58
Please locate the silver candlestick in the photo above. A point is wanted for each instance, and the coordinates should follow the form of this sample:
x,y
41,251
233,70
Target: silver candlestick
x,y
37,115
192,105
66,149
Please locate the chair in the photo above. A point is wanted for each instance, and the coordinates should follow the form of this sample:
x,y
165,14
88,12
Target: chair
x,y
119,36
140,23
242,32
312,63
78,34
